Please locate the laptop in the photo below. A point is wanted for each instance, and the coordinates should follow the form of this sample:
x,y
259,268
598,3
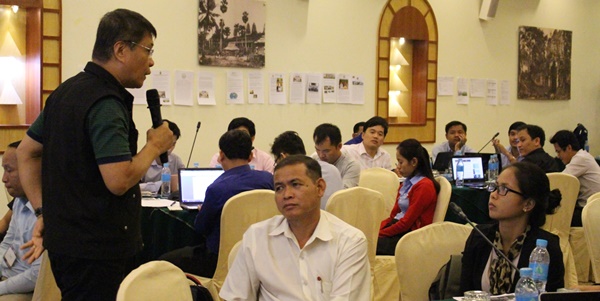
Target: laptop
x,y
442,160
485,157
193,183
571,296
474,174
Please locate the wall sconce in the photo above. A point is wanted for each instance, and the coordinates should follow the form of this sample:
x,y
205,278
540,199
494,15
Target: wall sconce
x,y
9,66
395,109
15,8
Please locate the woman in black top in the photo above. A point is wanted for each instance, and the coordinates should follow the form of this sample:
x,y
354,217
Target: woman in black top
x,y
519,203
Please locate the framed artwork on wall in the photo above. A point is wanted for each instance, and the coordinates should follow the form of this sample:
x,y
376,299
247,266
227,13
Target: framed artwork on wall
x,y
544,63
231,33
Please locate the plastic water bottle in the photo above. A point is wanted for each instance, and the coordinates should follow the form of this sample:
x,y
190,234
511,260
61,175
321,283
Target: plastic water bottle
x,y
165,187
526,289
493,167
460,173
539,260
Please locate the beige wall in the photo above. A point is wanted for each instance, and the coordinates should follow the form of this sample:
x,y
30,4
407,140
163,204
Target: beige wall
x,y
340,36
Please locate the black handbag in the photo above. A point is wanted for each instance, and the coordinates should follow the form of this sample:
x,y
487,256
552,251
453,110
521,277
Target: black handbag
x,y
199,292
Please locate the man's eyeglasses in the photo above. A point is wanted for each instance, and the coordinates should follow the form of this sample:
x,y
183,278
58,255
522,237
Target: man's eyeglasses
x,y
502,189
150,50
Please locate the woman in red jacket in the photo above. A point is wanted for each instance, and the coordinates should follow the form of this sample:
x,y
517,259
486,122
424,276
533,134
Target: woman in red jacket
x,y
416,200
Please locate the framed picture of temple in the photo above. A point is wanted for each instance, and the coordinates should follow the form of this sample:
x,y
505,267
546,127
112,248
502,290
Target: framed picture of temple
x,y
544,63
231,33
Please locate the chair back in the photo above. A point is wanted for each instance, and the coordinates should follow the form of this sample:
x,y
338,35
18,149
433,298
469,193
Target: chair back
x,y
233,254
45,286
155,280
443,199
591,228
362,208
559,223
421,253
239,213
382,180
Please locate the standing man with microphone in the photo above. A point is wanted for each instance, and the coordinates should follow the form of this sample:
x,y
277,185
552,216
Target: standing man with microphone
x,y
80,158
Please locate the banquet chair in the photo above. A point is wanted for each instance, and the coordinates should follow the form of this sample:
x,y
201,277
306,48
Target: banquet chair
x,y
239,213
559,223
233,254
382,180
45,286
421,253
591,228
364,209
443,199
155,280
580,250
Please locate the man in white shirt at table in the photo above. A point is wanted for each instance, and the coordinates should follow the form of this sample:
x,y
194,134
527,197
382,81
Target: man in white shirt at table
x,y
304,254
369,153
580,164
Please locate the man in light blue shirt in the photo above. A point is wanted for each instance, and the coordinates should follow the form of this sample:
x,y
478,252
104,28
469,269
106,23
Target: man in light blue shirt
x,y
18,276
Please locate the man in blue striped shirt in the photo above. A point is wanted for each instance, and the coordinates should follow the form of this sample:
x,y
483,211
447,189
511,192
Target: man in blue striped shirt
x,y
18,276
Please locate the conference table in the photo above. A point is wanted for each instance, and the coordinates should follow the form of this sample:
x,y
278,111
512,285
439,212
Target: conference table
x,y
165,230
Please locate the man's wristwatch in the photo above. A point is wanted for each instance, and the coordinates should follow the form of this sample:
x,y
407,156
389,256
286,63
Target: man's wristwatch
x,y
38,212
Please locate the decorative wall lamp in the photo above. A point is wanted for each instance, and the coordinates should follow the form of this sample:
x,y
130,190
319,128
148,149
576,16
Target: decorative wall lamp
x,y
9,66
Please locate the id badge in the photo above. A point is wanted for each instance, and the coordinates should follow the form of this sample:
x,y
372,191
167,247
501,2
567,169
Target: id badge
x,y
10,257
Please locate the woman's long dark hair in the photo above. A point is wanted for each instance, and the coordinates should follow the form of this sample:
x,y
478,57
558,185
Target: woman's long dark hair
x,y
411,148
534,184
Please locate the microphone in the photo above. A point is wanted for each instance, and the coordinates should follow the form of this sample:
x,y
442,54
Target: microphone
x,y
496,135
193,143
153,101
458,211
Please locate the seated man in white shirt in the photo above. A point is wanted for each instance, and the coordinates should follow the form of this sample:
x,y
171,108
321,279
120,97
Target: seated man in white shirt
x,y
152,179
289,143
456,134
328,146
260,160
303,254
18,275
369,153
580,164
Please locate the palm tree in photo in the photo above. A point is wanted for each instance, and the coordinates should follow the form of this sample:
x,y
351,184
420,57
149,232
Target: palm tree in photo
x,y
245,20
221,26
223,6
206,18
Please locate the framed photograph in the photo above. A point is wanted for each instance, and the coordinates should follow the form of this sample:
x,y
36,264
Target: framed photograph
x,y
544,63
231,33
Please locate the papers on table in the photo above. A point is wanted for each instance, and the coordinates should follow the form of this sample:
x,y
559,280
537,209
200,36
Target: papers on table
x,y
158,203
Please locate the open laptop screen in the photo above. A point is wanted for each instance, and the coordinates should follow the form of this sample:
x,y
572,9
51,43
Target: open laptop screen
x,y
193,183
473,168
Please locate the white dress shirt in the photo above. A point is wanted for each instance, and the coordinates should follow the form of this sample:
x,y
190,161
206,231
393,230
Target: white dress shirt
x,y
333,265
584,167
359,154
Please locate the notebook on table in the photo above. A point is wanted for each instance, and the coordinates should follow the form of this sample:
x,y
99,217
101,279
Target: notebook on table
x,y
193,183
473,172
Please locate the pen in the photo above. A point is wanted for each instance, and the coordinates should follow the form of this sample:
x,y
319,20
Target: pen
x,y
320,282
174,202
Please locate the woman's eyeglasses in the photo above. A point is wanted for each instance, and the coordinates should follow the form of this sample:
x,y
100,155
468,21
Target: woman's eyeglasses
x,y
502,189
